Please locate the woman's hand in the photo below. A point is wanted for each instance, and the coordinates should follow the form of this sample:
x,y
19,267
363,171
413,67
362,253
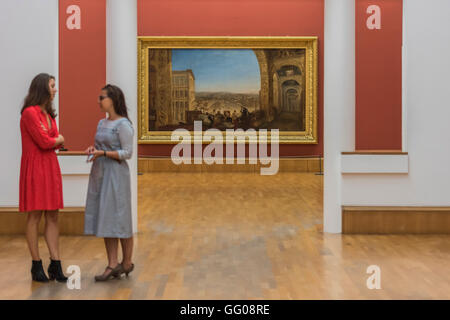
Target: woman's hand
x,y
96,153
59,140
89,150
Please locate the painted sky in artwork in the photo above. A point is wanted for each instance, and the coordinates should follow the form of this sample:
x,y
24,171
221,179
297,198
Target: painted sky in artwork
x,y
217,70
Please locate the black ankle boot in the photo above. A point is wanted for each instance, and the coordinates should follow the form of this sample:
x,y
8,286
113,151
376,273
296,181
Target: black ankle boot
x,y
55,271
37,271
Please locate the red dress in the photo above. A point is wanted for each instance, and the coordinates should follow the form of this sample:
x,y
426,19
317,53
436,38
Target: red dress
x,y
40,174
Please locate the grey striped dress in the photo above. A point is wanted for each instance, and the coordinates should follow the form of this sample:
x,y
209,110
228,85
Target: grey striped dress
x,y
108,203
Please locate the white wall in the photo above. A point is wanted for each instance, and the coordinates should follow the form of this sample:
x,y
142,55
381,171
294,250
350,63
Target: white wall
x,y
427,103
29,45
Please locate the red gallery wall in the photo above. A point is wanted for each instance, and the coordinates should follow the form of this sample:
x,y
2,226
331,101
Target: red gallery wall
x,y
379,77
82,59
82,71
237,18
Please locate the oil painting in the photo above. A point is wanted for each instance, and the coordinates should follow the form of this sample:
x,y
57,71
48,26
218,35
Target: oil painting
x,y
228,84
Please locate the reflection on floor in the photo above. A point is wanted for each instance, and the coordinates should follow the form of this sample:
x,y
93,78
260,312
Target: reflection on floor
x,y
238,236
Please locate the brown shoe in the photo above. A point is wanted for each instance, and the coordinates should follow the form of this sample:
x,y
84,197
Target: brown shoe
x,y
115,272
122,271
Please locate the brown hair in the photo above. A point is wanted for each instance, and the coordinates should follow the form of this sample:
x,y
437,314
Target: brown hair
x,y
118,99
39,94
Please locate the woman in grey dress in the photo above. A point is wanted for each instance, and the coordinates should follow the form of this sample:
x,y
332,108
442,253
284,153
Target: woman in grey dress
x,y
108,204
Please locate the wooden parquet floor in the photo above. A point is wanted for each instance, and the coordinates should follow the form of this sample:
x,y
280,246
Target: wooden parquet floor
x,y
238,236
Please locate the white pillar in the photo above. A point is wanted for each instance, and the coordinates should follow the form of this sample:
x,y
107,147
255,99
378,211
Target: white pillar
x,y
339,103
121,69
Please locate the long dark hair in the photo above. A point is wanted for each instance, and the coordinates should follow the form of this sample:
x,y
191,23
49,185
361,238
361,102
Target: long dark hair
x,y
118,99
39,94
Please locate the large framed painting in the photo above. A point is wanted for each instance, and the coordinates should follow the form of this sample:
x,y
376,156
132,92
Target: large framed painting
x,y
228,83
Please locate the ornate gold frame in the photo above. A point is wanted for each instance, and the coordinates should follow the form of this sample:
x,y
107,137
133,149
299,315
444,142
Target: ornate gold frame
x,y
310,44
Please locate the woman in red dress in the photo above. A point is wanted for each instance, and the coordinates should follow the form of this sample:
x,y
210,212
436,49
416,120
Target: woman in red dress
x,y
40,175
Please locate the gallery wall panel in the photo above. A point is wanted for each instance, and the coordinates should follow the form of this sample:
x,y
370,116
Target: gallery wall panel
x,y
378,74
82,69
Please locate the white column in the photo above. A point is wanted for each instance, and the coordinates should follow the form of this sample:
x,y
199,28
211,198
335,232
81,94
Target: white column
x,y
121,69
339,103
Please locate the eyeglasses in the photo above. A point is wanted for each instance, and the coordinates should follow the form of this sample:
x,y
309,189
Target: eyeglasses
x,y
100,98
